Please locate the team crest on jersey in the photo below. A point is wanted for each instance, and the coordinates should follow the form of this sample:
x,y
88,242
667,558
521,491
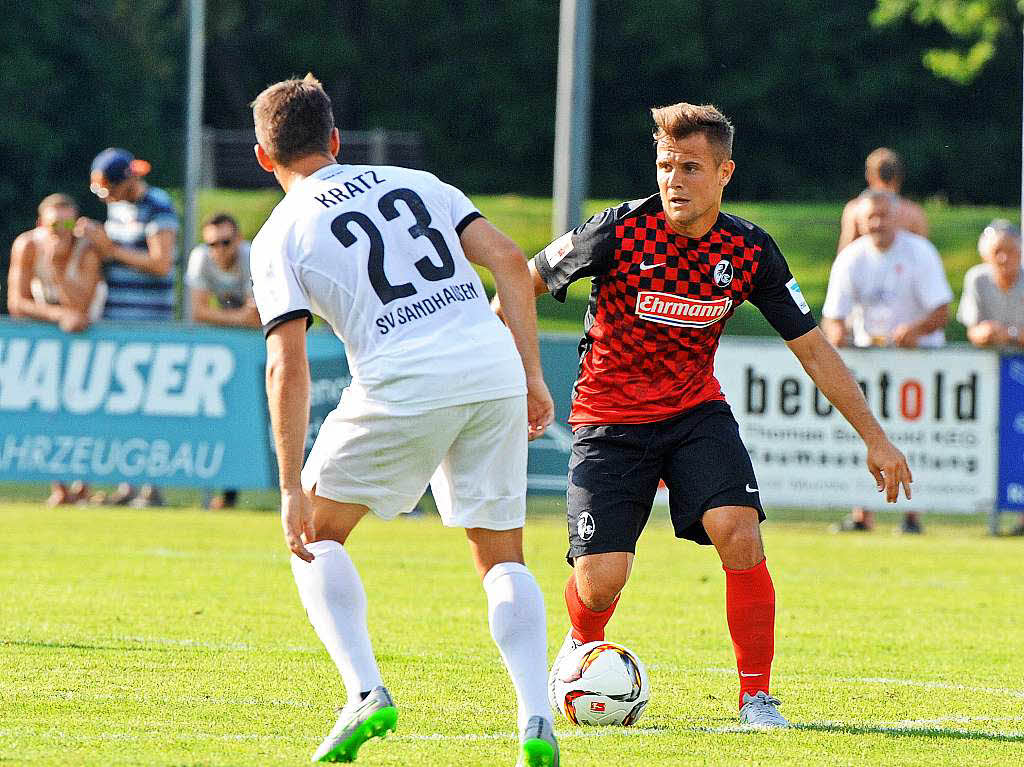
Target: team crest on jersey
x,y
585,526
670,309
723,274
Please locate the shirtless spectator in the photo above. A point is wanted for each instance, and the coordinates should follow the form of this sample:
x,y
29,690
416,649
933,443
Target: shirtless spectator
x,y
884,171
55,276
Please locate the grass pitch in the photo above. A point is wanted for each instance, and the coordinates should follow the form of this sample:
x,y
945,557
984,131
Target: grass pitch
x,y
176,638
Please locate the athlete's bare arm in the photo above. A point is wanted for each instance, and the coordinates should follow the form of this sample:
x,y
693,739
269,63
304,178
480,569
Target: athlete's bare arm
x,y
204,312
483,244
21,302
539,286
539,289
288,403
828,371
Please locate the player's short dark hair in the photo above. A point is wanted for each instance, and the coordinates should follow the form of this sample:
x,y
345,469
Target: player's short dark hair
x,y
886,164
677,121
293,119
57,200
217,219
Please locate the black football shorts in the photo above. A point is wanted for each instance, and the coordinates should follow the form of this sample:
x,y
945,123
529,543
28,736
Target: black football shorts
x,y
614,472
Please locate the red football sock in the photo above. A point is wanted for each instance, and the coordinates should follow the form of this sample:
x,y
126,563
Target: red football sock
x,y
587,625
750,609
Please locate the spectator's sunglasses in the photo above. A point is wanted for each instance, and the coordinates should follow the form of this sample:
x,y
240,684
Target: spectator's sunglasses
x,y
220,243
102,190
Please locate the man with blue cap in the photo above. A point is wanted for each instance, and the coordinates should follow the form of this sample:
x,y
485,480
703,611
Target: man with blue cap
x,y
137,244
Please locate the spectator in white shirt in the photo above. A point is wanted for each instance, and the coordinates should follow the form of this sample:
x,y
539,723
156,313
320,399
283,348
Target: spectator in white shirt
x,y
889,285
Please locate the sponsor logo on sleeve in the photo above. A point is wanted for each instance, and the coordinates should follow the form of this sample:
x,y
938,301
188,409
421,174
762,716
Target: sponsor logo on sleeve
x,y
670,309
798,296
559,249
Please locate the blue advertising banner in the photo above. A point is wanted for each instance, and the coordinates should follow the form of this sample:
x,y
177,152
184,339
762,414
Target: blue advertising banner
x,y
185,405
182,405
161,403
1011,433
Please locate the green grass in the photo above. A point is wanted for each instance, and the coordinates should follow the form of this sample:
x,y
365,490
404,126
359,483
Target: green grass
x,y
807,234
175,637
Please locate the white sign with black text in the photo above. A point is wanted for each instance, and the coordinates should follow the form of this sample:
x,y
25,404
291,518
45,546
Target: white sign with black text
x,y
939,406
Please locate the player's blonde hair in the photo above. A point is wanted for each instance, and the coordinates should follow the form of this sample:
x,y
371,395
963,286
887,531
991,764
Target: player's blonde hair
x,y
293,119
677,121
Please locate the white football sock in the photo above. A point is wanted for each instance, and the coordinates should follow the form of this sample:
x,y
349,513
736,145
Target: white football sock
x,y
515,611
335,602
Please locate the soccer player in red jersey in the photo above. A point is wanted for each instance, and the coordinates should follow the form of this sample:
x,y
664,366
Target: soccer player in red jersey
x,y
668,271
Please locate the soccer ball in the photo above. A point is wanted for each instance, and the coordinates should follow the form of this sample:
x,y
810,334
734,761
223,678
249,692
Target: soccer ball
x,y
602,683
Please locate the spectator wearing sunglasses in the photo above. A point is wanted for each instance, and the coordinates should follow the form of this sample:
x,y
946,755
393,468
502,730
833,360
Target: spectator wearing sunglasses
x,y
55,276
218,276
221,290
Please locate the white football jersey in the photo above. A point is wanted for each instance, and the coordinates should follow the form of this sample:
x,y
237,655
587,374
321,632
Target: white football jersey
x,y
375,251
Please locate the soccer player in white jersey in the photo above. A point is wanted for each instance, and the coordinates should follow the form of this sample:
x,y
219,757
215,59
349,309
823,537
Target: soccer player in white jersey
x,y
442,393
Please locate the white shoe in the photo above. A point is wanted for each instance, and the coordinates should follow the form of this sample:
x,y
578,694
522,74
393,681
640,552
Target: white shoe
x,y
538,747
372,717
761,712
568,645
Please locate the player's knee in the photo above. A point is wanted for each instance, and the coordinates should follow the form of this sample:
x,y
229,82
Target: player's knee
x,y
740,547
599,586
600,597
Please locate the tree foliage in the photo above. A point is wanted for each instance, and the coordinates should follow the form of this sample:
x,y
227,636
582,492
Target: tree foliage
x,y
812,87
979,26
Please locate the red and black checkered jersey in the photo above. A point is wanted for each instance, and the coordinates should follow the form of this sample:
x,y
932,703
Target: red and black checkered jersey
x,y
658,306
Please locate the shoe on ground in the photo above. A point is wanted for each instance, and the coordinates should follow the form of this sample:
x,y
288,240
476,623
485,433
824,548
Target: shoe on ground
x,y
149,497
539,747
911,526
122,496
372,717
226,500
59,496
850,525
761,712
568,645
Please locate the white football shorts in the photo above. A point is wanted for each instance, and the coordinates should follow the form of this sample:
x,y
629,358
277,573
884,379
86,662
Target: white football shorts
x,y
473,457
